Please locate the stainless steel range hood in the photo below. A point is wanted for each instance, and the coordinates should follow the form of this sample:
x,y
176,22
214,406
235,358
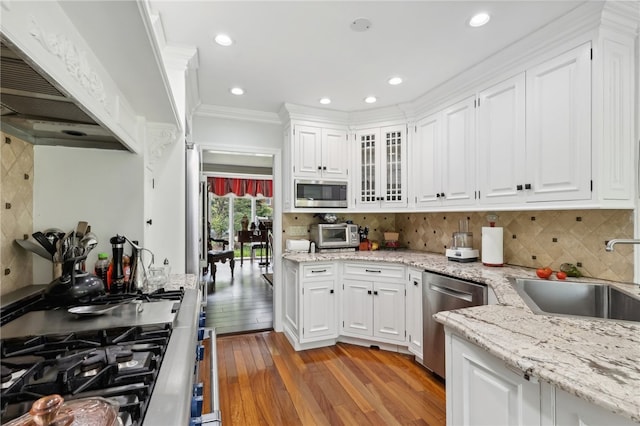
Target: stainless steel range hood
x,y
34,109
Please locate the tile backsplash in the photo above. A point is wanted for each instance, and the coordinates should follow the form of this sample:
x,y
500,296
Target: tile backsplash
x,y
531,238
16,214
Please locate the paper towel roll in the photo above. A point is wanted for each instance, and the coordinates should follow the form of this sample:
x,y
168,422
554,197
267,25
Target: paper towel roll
x,y
492,246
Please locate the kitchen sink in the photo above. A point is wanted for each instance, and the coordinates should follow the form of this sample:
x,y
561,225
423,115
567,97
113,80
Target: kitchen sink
x,y
577,299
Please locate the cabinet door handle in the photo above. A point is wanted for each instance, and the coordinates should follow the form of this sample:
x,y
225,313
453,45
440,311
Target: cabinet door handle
x,y
375,293
368,291
331,291
318,271
415,283
377,271
324,167
319,167
442,194
527,186
518,187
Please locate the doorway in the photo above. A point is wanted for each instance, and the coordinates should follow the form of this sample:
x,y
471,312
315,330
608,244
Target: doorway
x,y
243,301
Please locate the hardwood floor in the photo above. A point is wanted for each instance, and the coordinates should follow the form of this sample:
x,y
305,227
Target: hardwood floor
x,y
240,304
263,381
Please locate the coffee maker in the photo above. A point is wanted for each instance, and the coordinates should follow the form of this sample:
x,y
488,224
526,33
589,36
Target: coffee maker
x,y
461,249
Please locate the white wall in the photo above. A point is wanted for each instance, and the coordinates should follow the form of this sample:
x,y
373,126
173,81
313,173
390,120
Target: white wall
x,y
166,236
104,188
222,133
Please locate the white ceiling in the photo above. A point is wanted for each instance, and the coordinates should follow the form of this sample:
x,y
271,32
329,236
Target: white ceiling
x,y
300,51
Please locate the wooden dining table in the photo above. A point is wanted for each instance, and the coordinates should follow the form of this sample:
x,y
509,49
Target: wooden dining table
x,y
260,236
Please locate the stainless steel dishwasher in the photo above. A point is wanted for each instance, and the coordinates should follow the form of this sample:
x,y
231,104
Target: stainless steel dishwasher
x,y
443,293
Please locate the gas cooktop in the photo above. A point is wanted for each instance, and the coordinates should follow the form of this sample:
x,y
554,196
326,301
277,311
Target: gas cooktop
x,y
118,363
47,350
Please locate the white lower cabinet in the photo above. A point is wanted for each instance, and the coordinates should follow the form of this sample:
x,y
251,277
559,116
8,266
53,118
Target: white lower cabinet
x,y
414,312
373,302
573,411
291,297
483,390
310,302
319,319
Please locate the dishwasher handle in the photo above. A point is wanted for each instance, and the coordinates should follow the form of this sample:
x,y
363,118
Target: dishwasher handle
x,y
452,292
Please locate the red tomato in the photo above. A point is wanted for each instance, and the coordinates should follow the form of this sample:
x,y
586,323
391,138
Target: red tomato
x,y
561,275
544,272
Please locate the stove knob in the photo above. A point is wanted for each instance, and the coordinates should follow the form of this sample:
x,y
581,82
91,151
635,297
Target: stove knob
x,y
200,353
200,334
196,406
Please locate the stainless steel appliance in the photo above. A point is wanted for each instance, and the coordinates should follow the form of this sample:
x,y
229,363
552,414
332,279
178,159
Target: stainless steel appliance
x,y
442,293
196,212
321,193
141,355
335,235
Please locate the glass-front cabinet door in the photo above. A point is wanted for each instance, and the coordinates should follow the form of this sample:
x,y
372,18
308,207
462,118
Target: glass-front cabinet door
x,y
382,172
369,178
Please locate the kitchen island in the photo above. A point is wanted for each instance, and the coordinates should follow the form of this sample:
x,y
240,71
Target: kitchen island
x,y
593,359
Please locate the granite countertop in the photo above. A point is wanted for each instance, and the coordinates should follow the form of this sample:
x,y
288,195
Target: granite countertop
x,y
188,281
597,360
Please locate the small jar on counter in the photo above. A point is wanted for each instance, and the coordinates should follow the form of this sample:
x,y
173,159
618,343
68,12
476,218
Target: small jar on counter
x,y
102,268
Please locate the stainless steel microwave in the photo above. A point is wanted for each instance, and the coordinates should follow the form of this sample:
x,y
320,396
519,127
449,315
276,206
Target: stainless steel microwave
x,y
321,193
335,235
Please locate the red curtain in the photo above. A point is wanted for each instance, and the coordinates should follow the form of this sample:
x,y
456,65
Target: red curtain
x,y
222,186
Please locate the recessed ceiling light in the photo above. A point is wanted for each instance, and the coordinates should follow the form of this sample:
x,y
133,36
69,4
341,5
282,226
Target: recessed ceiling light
x,y
370,99
394,81
223,40
479,19
325,101
237,91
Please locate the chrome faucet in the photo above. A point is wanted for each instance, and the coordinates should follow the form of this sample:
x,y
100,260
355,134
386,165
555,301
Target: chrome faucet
x,y
611,243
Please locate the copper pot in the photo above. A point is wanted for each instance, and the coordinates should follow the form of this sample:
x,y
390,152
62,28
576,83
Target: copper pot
x,y
51,410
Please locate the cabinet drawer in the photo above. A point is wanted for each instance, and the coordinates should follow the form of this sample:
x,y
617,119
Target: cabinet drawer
x,y
318,270
374,270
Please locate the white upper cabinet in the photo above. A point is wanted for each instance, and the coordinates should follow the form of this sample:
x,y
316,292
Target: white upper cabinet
x,y
537,147
558,132
381,164
443,159
320,153
427,185
458,129
335,154
501,142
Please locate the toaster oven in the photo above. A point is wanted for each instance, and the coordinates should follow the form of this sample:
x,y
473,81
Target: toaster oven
x,y
335,235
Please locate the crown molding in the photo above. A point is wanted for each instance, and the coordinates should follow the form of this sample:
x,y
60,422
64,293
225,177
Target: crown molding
x,y
399,112
622,16
320,115
215,111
